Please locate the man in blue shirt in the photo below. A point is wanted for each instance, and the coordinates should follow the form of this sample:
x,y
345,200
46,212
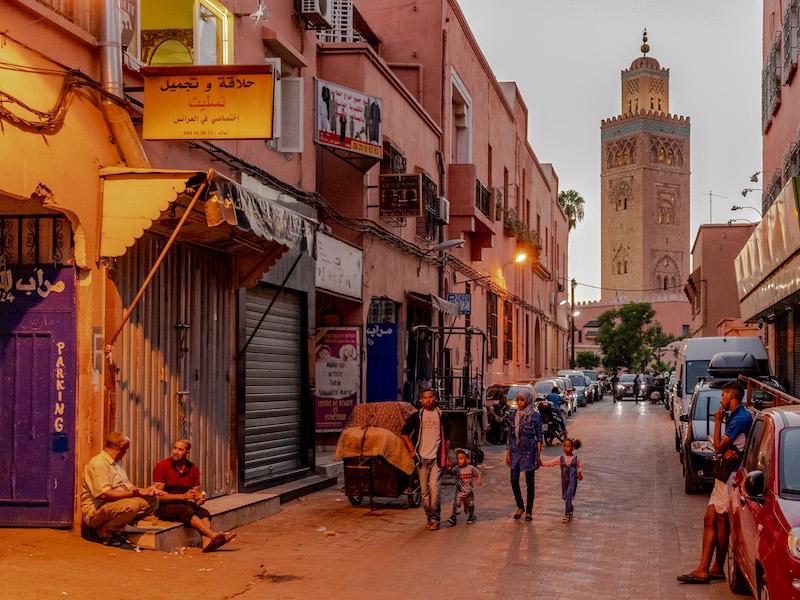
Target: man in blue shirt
x,y
554,397
729,446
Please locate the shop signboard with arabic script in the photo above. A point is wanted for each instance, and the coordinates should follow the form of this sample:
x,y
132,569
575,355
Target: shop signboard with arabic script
x,y
214,102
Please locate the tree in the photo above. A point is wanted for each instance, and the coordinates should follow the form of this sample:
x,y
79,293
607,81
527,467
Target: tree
x,y
626,336
572,203
587,359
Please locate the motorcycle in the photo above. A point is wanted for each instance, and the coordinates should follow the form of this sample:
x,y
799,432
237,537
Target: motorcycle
x,y
552,429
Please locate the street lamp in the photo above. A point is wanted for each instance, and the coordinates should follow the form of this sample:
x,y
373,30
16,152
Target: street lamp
x,y
572,315
446,245
737,207
746,191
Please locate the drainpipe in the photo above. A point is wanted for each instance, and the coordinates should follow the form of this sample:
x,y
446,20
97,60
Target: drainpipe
x,y
119,121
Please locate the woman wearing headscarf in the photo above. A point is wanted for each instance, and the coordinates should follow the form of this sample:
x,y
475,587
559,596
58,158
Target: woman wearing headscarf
x,y
524,445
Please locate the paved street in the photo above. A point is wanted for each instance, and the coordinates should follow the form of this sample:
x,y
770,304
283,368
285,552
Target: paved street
x,y
634,530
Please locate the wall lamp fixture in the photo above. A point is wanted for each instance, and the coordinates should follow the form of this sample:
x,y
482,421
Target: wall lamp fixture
x,y
445,245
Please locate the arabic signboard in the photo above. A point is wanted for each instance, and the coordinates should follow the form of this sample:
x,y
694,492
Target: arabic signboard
x,y
338,376
400,195
338,267
463,301
216,102
348,119
24,287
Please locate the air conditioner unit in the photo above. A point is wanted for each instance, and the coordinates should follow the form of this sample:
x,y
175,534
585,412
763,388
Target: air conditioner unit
x,y
317,13
442,210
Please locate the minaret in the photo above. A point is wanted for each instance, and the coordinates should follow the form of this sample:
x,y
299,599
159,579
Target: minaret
x,y
644,193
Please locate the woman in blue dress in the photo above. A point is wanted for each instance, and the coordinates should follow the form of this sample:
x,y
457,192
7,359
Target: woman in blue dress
x,y
524,445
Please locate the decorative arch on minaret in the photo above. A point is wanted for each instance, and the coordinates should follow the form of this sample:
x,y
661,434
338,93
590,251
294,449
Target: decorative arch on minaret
x,y
621,258
621,193
665,274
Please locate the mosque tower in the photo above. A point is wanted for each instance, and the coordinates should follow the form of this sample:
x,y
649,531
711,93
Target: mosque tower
x,y
644,193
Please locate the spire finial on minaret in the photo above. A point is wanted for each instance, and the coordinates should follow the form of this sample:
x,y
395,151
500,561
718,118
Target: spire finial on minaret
x,y
645,48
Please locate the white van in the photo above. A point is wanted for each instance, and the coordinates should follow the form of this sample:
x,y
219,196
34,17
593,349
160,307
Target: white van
x,y
693,357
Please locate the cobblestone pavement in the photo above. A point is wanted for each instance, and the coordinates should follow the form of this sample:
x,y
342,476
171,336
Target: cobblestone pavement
x,y
633,532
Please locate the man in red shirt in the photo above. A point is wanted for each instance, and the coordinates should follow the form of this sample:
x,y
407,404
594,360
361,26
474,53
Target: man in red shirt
x,y
181,500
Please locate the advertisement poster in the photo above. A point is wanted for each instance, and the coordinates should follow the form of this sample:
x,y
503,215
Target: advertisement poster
x,y
348,119
338,376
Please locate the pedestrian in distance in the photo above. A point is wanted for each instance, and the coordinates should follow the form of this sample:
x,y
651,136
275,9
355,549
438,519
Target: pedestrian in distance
x,y
554,398
614,383
181,500
571,473
467,476
729,447
523,454
637,382
109,501
498,413
426,435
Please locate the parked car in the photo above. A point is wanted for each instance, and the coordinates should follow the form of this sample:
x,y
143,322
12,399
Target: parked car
x,y
494,392
626,390
544,386
578,380
764,509
596,387
669,394
697,452
570,396
515,388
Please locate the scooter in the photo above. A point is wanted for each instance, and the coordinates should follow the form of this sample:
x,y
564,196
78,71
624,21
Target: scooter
x,y
552,429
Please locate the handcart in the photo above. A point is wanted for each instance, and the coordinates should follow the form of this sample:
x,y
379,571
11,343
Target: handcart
x,y
376,462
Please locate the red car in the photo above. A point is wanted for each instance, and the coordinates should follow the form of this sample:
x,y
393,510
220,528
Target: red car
x,y
764,509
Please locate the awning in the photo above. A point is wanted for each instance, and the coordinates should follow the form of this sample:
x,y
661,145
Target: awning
x,y
228,217
436,302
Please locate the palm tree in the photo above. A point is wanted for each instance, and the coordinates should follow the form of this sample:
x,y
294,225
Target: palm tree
x,y
572,203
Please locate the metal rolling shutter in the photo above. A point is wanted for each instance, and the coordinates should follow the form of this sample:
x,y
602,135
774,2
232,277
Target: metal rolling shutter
x,y
273,443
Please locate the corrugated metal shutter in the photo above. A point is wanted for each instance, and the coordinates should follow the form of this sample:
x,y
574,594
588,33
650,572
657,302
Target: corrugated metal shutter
x,y
795,352
273,392
174,359
782,339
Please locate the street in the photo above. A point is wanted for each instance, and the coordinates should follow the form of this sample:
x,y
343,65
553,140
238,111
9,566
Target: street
x,y
634,530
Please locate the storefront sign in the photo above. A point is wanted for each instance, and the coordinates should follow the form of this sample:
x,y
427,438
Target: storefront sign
x,y
400,195
338,267
348,119
215,102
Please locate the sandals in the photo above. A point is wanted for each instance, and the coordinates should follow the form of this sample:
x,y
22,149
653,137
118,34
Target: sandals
x,y
567,519
519,513
528,517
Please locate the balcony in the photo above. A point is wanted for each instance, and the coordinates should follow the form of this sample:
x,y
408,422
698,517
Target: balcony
x,y
470,207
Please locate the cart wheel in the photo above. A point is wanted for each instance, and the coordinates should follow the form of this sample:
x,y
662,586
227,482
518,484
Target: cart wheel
x,y
415,498
478,456
355,500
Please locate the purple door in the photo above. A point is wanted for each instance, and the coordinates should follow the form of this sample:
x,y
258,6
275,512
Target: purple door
x,y
37,395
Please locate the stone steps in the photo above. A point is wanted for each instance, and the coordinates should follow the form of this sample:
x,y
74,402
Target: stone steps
x,y
227,513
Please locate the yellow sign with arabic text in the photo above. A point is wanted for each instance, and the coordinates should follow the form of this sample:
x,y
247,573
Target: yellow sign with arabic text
x,y
203,103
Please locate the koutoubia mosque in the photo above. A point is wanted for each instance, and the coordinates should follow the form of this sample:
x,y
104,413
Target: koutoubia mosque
x,y
644,203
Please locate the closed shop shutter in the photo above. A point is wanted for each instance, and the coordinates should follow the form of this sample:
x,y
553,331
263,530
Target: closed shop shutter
x,y
273,444
782,339
174,359
795,352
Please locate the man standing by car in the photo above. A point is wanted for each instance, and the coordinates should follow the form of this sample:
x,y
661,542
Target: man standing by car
x,y
728,447
426,435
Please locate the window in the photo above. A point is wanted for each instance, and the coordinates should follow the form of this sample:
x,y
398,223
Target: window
x,y
771,84
508,331
461,118
491,322
199,32
287,111
427,224
790,33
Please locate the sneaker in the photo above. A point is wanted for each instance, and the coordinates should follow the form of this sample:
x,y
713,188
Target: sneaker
x,y
471,519
452,520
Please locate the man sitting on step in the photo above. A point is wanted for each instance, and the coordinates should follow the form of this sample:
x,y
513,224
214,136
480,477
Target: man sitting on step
x,y
181,500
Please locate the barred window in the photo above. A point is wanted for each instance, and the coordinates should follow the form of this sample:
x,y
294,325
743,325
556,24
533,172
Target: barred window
x,y
491,322
427,223
508,331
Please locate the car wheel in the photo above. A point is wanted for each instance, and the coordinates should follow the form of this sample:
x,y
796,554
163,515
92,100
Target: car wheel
x,y
690,486
763,589
736,580
355,500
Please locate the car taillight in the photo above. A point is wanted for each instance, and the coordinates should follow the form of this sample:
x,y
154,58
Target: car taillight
x,y
794,542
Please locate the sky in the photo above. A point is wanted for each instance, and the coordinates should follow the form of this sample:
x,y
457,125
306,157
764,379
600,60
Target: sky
x,y
566,57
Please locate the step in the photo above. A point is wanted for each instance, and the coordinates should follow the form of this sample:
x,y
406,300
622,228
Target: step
x,y
227,513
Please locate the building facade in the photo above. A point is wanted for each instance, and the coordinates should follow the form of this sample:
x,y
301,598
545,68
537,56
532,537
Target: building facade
x,y
766,269
169,272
